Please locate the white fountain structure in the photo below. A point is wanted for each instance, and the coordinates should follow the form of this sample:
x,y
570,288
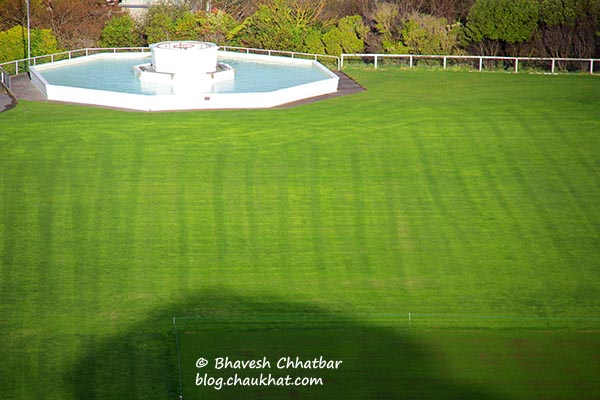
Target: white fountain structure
x,y
186,65
183,75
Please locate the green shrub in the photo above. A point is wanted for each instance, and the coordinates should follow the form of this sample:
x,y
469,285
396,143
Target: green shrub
x,y
426,34
272,26
13,43
186,27
502,21
312,42
160,23
215,26
120,31
346,37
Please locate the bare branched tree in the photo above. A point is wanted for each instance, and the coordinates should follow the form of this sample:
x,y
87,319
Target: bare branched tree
x,y
76,23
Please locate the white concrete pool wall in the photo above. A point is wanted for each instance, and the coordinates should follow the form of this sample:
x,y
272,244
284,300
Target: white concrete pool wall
x,y
188,101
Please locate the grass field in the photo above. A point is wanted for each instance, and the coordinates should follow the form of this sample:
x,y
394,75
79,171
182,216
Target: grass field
x,y
451,195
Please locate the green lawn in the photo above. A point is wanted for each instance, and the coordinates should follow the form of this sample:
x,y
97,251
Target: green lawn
x,y
451,195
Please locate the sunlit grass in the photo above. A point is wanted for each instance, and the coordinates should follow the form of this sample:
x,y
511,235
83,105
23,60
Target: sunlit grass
x,y
431,192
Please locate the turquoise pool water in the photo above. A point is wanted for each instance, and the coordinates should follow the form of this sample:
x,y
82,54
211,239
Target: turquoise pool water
x,y
116,74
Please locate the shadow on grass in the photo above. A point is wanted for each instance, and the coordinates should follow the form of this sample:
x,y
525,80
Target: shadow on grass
x,y
379,361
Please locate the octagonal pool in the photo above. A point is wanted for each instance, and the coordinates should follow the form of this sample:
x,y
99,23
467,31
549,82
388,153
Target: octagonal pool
x,y
109,79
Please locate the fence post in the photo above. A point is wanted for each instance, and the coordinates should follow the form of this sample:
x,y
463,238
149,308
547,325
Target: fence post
x,y
444,62
480,63
591,66
516,65
178,358
410,62
375,61
553,63
341,62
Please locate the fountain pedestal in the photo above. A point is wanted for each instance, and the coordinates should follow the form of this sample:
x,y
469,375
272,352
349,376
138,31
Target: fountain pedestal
x,y
186,65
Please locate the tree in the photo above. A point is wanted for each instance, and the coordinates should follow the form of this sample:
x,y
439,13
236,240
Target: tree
x,y
120,31
338,9
387,23
14,12
415,32
452,10
279,25
13,43
270,27
494,24
160,27
386,18
76,23
426,34
160,22
186,27
237,9
210,26
346,37
312,41
215,26
569,27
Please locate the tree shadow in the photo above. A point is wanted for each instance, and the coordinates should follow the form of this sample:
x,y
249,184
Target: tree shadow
x,y
378,361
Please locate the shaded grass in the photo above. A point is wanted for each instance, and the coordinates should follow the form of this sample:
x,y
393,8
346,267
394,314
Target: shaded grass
x,y
455,192
387,361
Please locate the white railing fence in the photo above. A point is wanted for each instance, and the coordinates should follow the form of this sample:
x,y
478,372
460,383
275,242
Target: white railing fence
x,y
293,54
477,62
5,78
546,64
17,67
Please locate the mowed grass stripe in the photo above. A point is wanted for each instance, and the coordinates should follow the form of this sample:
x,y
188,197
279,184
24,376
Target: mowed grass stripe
x,y
219,207
579,158
558,188
398,238
501,217
549,213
